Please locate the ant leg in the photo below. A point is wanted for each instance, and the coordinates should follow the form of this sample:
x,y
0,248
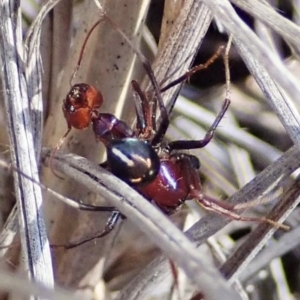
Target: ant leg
x,y
145,113
112,221
194,186
195,69
110,225
140,120
227,210
190,144
165,121
88,207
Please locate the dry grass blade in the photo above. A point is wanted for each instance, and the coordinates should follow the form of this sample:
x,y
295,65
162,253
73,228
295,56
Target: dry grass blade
x,y
259,237
268,15
34,240
273,250
282,105
34,70
9,231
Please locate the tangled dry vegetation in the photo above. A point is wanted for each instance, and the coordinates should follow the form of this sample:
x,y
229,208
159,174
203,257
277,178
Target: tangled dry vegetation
x,y
254,154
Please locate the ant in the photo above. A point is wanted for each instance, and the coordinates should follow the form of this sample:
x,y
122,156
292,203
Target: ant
x,y
163,174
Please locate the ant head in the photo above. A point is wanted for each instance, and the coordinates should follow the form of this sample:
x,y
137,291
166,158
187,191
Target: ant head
x,y
79,108
79,105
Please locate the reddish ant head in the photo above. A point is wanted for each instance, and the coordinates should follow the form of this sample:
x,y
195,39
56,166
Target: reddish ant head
x,y
79,108
79,105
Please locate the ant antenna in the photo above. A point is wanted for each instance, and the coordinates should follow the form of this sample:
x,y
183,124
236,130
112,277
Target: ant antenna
x,y
82,50
194,70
